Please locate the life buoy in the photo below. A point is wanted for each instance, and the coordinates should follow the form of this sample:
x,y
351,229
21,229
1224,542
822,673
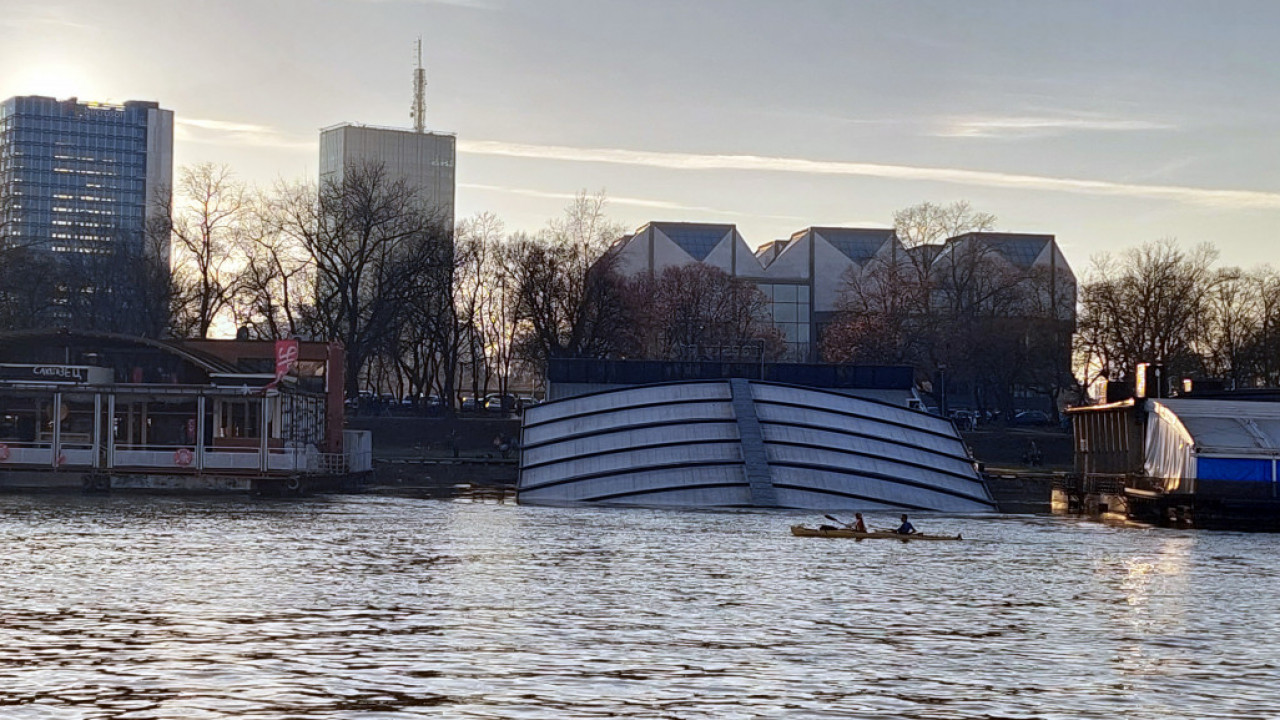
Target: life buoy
x,y
293,484
4,452
182,457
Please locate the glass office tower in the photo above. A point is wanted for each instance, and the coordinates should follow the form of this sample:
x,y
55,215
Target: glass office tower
x,y
77,177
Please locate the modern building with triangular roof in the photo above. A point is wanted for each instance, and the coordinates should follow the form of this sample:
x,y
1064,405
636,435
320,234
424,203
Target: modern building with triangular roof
x,y
802,276
805,275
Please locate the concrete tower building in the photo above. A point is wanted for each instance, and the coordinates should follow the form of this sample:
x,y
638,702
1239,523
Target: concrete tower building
x,y
422,158
79,177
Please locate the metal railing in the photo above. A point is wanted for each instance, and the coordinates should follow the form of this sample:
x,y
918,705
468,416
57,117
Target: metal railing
x,y
1102,484
185,458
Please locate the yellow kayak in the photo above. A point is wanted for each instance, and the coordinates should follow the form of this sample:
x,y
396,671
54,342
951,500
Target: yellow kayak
x,y
802,531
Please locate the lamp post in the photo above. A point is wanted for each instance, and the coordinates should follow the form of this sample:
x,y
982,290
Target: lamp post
x,y
942,382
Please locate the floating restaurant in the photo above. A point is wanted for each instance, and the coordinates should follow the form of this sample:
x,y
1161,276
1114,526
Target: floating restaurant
x,y
107,412
1208,460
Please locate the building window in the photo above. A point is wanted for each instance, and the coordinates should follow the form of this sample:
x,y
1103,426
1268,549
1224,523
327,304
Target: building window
x,y
791,314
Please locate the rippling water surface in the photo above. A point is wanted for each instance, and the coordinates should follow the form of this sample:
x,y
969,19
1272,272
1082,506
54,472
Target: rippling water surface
x,y
393,608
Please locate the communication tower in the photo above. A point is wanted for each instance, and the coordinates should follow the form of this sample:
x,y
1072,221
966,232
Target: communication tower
x,y
419,112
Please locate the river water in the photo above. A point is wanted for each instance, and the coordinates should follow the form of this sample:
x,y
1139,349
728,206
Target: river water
x,y
364,607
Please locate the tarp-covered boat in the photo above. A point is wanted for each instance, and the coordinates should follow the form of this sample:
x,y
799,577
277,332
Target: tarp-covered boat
x,y
802,531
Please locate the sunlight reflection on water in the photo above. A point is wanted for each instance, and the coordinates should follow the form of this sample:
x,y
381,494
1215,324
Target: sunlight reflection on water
x,y
379,607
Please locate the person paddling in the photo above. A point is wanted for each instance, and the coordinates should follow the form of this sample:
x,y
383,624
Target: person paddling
x,y
906,528
858,524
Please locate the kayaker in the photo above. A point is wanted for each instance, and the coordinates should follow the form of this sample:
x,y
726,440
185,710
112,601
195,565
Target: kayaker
x,y
906,528
858,524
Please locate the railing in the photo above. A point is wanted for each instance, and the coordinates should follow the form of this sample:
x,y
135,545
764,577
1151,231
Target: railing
x,y
1100,484
232,459
184,458
26,453
154,456
328,463
287,459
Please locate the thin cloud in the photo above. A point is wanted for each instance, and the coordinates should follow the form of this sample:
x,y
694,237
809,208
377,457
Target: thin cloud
x,y
25,18
1246,199
222,132
630,201
1031,126
224,126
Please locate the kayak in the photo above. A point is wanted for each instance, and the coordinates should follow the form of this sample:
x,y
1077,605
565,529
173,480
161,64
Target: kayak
x,y
802,531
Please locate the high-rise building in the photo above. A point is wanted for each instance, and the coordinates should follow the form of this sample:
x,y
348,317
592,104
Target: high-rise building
x,y
423,159
80,177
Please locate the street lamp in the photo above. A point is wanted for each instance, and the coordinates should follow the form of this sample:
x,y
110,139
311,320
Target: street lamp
x,y
942,381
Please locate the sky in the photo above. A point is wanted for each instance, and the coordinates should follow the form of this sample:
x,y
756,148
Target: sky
x,y
1107,123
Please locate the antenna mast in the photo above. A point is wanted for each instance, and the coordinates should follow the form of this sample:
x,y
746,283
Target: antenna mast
x,y
419,112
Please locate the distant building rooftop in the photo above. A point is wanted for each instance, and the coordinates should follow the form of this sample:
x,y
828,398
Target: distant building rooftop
x,y
407,131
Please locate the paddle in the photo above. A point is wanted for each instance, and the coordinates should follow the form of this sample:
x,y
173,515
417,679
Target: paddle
x,y
834,519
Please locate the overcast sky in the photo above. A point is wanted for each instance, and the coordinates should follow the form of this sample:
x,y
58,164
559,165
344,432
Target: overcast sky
x,y
1107,123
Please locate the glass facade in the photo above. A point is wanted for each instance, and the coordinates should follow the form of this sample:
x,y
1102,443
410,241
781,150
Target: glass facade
x,y
76,174
791,306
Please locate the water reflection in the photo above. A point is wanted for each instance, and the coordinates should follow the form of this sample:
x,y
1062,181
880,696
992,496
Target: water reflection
x,y
397,607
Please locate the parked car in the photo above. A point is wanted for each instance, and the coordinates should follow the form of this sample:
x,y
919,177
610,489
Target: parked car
x,y
498,403
1030,418
469,404
964,419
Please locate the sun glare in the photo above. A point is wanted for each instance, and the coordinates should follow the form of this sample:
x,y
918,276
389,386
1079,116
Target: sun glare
x,y
55,79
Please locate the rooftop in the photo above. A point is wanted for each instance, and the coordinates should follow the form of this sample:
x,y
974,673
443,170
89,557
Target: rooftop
x,y
1021,249
857,244
697,239
385,128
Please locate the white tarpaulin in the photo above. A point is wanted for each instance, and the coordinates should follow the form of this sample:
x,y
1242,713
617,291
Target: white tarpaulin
x,y
1168,446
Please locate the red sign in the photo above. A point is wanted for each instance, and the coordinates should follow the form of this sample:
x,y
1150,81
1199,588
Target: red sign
x,y
286,358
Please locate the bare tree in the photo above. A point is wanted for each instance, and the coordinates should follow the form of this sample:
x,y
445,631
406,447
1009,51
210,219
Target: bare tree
x,y
206,222
1147,305
694,311
425,345
29,287
370,241
1231,328
1265,348
126,288
479,249
931,224
29,282
931,301
568,298
274,287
